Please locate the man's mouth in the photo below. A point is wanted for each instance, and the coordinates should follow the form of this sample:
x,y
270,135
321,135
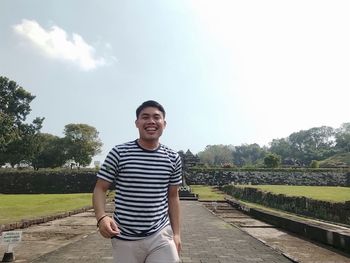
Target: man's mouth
x,y
150,129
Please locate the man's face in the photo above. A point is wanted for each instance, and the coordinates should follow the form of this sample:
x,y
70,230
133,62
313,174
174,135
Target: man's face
x,y
150,123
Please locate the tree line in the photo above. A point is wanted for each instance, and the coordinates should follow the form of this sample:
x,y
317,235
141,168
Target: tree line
x,y
23,143
302,148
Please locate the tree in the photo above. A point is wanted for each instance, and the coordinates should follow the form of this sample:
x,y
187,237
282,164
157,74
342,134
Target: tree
x,y
50,151
82,143
14,100
313,144
22,149
7,131
16,136
281,147
342,138
216,154
272,160
302,147
248,154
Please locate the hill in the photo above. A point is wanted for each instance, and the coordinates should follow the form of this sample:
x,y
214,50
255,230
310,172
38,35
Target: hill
x,y
338,160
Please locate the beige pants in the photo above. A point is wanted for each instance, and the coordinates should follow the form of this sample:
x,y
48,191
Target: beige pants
x,y
158,248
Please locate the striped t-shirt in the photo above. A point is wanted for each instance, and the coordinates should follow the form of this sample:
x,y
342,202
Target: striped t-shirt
x,y
142,178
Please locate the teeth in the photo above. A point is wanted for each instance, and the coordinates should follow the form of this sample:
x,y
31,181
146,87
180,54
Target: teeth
x,y
150,129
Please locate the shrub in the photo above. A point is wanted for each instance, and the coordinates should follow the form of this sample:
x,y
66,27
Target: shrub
x,y
314,164
272,160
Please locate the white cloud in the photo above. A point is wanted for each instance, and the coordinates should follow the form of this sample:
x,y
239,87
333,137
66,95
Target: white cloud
x,y
56,44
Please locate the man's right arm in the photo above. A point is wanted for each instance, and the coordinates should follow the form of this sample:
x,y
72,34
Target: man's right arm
x,y
107,225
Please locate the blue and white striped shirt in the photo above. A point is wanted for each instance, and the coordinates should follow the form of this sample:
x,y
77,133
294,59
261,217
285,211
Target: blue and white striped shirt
x,y
142,178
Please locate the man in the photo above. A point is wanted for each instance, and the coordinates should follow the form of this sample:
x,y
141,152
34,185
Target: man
x,y
146,222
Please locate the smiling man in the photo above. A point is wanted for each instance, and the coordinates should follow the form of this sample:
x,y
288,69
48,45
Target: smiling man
x,y
146,222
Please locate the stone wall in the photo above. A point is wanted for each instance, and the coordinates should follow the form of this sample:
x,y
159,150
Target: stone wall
x,y
320,232
334,212
75,181
48,182
278,177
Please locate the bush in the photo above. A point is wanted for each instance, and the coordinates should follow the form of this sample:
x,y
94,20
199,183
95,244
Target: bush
x,y
272,160
314,164
228,165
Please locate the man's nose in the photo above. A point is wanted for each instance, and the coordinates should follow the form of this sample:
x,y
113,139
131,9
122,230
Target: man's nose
x,y
151,120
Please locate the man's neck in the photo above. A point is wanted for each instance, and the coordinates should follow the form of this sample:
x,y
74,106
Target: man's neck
x,y
148,145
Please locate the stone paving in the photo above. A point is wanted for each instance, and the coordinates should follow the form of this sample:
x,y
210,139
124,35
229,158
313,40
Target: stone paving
x,y
205,237
297,248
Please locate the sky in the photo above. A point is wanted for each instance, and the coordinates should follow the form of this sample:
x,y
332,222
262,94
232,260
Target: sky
x,y
227,72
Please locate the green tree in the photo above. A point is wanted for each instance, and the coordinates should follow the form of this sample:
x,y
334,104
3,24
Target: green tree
x,y
22,149
50,151
7,131
248,154
342,138
314,144
82,143
272,160
216,154
281,147
16,136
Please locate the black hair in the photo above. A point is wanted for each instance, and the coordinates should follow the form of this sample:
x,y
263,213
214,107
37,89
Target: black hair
x,y
150,103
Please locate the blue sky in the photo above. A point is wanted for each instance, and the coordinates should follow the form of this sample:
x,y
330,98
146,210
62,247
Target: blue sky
x,y
227,72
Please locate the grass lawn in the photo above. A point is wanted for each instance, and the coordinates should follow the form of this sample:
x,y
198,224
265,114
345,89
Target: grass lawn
x,y
13,208
325,193
207,192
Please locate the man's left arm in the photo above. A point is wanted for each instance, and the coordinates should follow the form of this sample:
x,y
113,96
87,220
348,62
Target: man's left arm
x,y
174,214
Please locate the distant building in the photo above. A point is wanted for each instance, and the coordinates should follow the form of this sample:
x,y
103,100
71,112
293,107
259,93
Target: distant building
x,y
189,159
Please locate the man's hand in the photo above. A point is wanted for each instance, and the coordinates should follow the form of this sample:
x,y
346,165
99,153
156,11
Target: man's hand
x,y
106,225
108,228
177,240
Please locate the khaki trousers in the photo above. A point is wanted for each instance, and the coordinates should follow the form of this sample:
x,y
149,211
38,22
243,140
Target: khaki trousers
x,y
157,248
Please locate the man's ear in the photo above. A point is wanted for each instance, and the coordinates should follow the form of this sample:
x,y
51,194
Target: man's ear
x,y
164,123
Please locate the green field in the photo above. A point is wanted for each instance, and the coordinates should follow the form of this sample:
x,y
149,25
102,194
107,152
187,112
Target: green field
x,y
17,207
14,208
325,193
207,192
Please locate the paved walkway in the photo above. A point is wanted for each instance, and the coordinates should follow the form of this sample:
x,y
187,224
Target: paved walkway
x,y
205,237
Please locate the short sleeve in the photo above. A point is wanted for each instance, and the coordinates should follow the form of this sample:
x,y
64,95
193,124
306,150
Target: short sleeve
x,y
109,168
176,177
